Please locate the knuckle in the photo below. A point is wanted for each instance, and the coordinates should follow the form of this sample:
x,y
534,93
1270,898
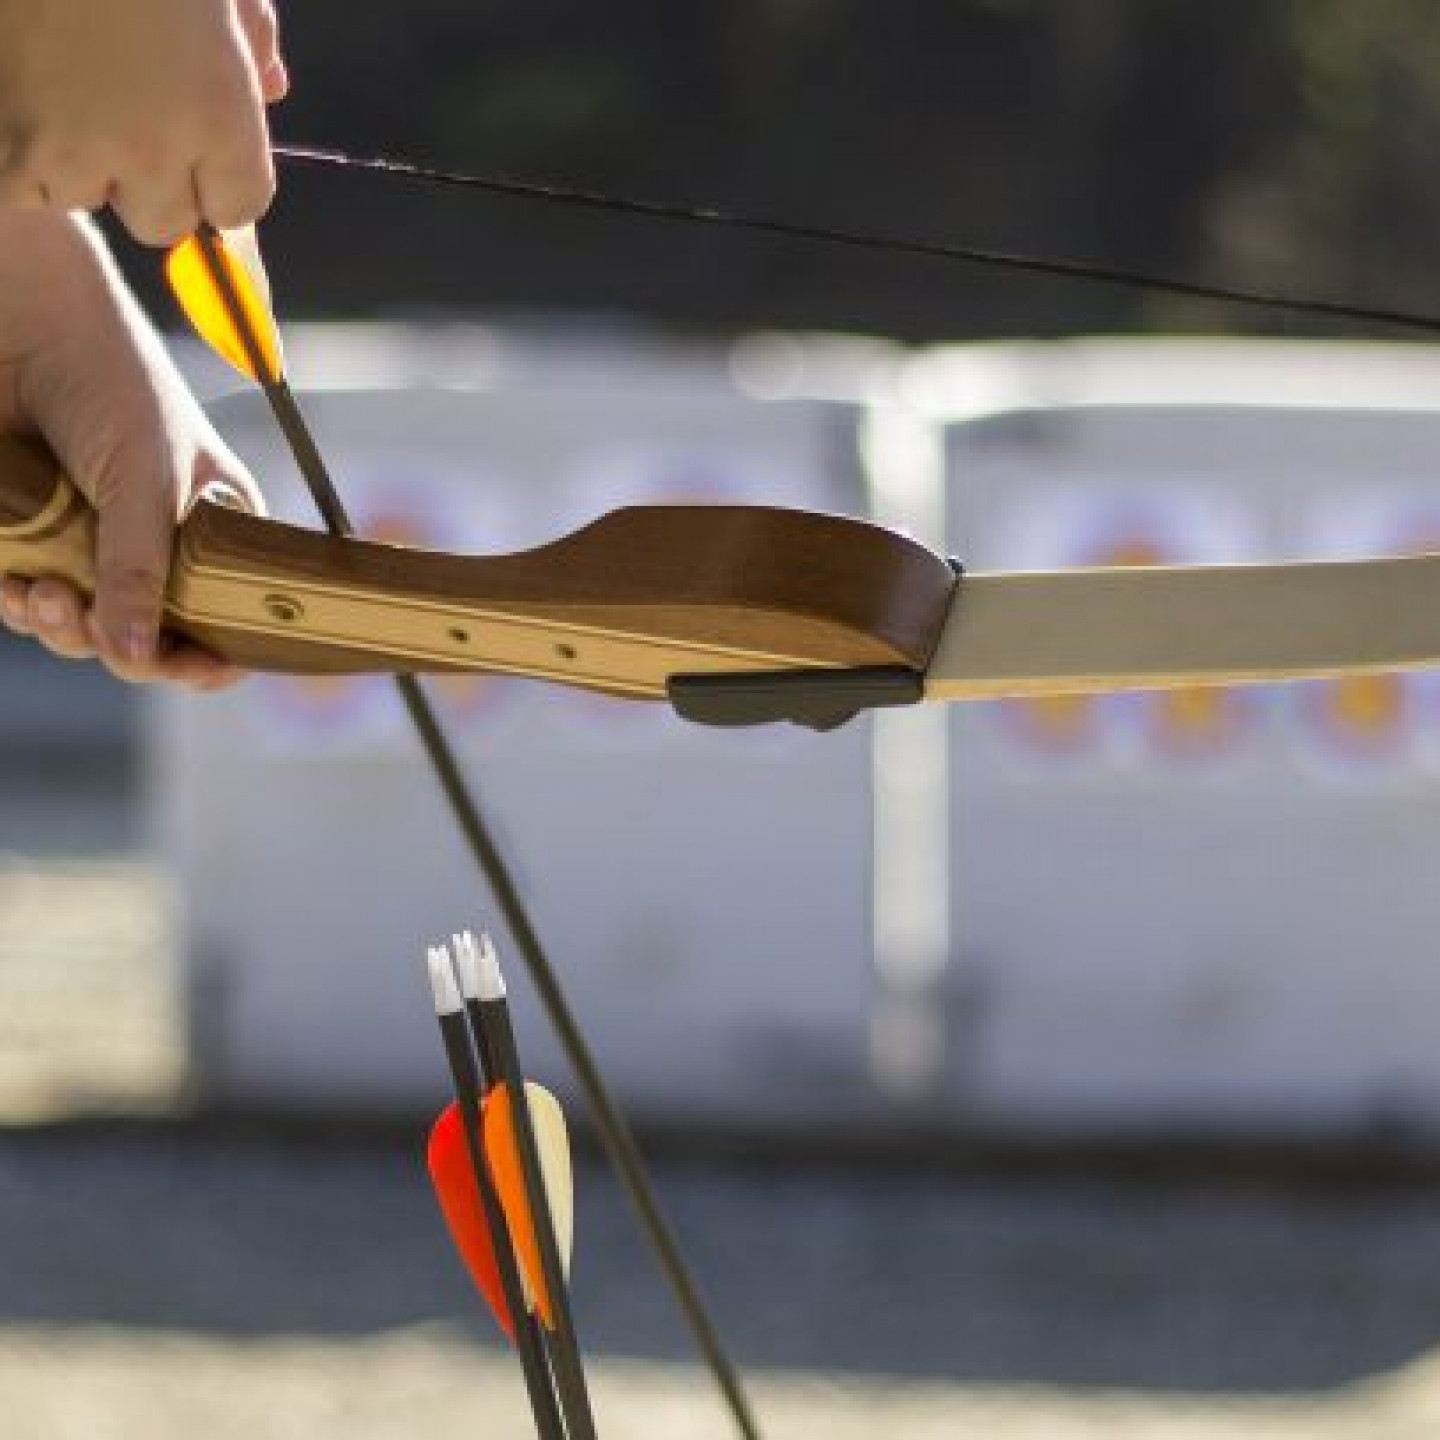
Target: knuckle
x,y
147,157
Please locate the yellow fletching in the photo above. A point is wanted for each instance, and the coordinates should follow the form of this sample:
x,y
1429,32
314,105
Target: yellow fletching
x,y
201,296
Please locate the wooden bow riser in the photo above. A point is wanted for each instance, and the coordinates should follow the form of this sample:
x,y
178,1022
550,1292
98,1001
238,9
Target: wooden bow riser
x,y
638,596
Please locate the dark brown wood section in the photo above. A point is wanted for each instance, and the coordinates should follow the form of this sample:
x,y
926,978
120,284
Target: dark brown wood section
x,y
833,590
766,586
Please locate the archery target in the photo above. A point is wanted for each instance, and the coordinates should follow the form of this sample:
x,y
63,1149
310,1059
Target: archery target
x,y
1099,525
1366,728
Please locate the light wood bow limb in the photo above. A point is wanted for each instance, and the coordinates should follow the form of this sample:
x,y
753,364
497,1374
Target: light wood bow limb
x,y
1158,627
624,604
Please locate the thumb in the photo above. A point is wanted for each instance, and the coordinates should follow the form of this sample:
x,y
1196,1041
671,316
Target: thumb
x,y
107,425
134,495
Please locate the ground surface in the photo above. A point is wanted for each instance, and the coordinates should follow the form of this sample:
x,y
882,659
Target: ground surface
x,y
166,1281
163,1284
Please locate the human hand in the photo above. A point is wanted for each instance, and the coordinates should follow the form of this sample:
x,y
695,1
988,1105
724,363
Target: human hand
x,y
80,366
155,107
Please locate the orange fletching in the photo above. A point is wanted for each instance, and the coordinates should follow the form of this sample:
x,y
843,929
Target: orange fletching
x,y
201,298
503,1153
460,1204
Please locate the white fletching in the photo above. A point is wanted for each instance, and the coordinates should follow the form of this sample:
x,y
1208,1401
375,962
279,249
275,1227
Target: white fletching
x,y
244,245
442,982
552,1140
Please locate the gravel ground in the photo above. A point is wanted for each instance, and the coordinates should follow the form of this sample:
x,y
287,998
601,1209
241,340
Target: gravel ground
x,y
164,1280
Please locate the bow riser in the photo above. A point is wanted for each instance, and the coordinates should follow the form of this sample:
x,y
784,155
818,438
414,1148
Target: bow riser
x,y
622,605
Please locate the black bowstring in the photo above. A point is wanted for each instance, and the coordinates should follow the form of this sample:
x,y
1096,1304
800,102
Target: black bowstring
x,y
1055,267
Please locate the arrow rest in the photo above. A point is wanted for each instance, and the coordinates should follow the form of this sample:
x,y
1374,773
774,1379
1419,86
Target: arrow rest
x,y
814,699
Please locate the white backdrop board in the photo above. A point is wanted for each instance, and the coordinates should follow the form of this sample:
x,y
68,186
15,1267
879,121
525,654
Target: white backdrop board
x,y
1213,909
704,894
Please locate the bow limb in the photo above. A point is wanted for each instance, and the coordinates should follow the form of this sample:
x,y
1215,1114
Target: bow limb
x,y
622,605
1099,630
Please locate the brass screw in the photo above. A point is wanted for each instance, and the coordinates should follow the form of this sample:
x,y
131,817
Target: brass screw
x,y
283,608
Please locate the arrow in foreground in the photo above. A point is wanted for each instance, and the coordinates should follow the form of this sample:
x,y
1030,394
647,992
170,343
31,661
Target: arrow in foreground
x,y
528,1154
504,1181
468,1200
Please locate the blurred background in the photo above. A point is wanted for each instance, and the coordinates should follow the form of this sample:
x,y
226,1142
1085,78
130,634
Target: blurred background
x,y
1028,1068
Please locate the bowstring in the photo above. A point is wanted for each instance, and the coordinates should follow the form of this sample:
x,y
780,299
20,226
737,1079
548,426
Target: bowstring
x,y
954,252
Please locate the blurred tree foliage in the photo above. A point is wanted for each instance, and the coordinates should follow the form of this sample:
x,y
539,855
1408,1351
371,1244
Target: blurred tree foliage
x,y
1277,142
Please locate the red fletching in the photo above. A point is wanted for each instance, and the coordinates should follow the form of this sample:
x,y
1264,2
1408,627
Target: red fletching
x,y
460,1204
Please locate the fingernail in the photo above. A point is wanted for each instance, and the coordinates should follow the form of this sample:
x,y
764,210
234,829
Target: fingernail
x,y
50,610
138,644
